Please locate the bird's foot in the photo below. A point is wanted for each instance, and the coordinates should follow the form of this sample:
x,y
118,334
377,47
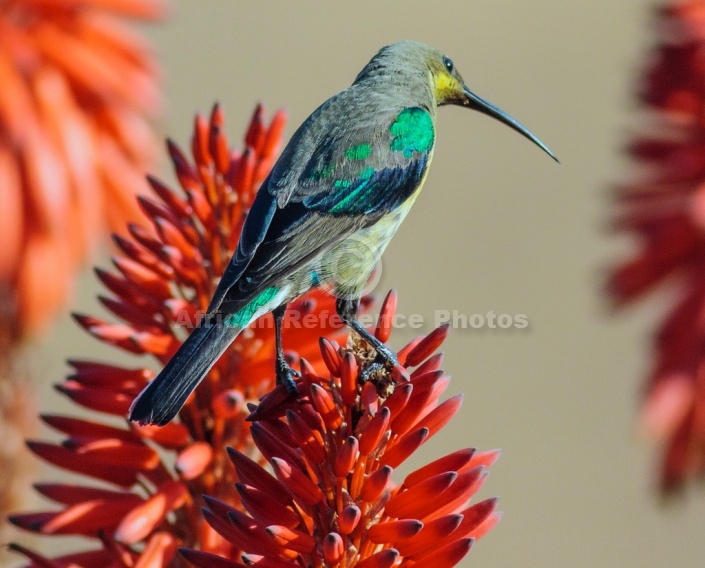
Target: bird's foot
x,y
385,360
286,375
385,355
374,369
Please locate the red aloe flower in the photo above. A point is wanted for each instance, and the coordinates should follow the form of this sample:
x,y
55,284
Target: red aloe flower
x,y
165,277
17,421
79,91
664,208
331,500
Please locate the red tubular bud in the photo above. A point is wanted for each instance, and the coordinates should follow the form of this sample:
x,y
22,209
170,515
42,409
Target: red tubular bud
x,y
348,519
251,473
456,497
348,378
404,448
179,206
310,441
323,402
418,404
255,132
404,351
441,415
486,458
193,460
345,460
144,278
218,145
291,539
242,172
452,462
184,172
369,398
228,404
376,483
159,551
474,518
199,141
331,358
449,555
142,520
101,400
264,509
274,134
299,484
431,534
400,375
486,526
171,235
384,559
397,401
155,210
433,363
84,428
333,548
271,447
143,256
427,345
206,559
203,210
394,531
217,117
61,457
409,503
312,418
113,452
386,317
172,436
84,518
376,429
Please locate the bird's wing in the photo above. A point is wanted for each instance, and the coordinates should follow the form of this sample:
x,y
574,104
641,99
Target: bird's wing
x,y
347,159
334,178
253,231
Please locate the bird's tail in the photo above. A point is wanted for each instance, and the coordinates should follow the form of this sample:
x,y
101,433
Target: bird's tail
x,y
162,399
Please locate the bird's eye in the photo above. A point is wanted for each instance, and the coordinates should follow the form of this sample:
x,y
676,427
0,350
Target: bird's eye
x,y
449,64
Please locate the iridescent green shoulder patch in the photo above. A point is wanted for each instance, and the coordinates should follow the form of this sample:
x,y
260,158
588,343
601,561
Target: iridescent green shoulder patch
x,y
412,131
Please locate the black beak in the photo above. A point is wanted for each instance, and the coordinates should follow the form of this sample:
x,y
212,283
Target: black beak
x,y
481,105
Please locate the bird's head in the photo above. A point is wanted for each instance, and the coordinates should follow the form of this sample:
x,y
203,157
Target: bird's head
x,y
449,88
424,66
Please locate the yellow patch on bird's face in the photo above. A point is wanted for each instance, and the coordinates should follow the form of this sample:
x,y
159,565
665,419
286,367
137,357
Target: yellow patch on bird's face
x,y
447,88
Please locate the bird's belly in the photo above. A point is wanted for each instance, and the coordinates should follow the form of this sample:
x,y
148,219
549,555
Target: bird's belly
x,y
348,265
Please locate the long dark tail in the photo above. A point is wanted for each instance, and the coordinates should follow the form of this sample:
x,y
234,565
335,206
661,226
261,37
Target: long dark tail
x,y
162,399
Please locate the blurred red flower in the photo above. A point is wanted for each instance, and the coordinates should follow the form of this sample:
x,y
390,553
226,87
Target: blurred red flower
x,y
17,421
79,93
663,208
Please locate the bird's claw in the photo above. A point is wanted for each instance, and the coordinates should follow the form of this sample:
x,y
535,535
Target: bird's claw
x,y
384,359
371,370
285,376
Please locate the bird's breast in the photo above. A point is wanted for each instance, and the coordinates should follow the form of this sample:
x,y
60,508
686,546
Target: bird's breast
x,y
349,264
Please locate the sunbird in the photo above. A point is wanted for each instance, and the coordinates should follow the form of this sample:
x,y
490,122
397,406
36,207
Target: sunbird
x,y
326,212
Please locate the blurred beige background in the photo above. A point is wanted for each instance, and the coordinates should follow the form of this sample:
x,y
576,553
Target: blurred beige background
x,y
498,227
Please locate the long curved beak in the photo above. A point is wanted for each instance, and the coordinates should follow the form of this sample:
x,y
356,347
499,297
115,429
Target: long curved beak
x,y
479,104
